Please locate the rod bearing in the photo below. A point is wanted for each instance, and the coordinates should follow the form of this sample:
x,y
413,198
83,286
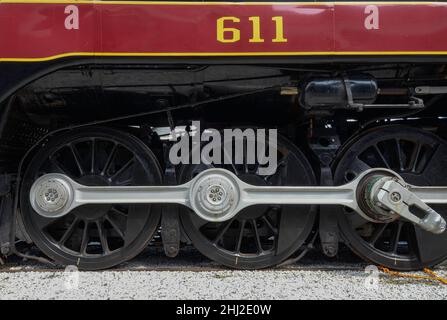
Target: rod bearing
x,y
50,195
215,196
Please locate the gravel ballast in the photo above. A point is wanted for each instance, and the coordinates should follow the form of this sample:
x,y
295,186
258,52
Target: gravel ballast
x,y
191,276
219,284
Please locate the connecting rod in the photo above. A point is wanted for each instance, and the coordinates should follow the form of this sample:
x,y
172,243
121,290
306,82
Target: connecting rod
x,y
378,195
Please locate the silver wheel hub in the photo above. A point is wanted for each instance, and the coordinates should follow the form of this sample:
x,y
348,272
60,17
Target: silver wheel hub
x,y
215,196
50,195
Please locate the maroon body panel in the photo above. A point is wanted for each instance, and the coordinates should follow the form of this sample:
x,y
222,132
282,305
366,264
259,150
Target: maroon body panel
x,y
31,31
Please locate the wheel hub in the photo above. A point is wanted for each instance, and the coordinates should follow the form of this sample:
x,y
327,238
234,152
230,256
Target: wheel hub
x,y
370,208
214,197
50,196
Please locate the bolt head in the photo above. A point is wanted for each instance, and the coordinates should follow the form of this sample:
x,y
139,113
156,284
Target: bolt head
x,y
395,196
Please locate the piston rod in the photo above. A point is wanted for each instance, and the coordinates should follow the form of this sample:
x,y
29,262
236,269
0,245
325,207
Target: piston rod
x,y
218,195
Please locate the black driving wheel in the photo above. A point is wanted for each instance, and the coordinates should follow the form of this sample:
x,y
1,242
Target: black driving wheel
x,y
420,158
259,236
94,236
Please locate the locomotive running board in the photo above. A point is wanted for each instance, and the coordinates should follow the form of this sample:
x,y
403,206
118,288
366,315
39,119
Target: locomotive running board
x,y
378,195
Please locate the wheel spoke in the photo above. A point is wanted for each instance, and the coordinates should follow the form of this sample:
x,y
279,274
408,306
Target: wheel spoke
x,y
117,211
382,158
399,155
69,232
103,237
357,166
222,230
115,226
57,166
245,155
241,236
122,170
76,157
257,236
415,156
396,237
92,170
85,238
269,225
109,159
377,233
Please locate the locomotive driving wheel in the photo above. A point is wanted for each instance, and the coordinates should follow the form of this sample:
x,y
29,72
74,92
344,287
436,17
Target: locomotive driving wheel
x,y
258,236
93,236
421,159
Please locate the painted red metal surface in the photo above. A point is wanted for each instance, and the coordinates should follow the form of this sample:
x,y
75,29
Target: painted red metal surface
x,y
36,31
410,28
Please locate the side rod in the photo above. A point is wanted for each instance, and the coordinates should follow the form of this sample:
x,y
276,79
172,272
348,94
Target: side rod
x,y
218,195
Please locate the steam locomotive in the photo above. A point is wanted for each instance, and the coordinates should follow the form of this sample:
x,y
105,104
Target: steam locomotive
x,y
94,94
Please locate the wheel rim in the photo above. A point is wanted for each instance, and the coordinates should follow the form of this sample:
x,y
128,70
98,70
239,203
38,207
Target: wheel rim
x,y
94,236
417,156
259,236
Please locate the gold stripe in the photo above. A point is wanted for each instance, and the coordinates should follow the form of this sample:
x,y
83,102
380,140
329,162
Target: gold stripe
x,y
213,3
223,54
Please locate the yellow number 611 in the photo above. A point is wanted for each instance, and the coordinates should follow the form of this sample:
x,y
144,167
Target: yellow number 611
x,y
232,34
